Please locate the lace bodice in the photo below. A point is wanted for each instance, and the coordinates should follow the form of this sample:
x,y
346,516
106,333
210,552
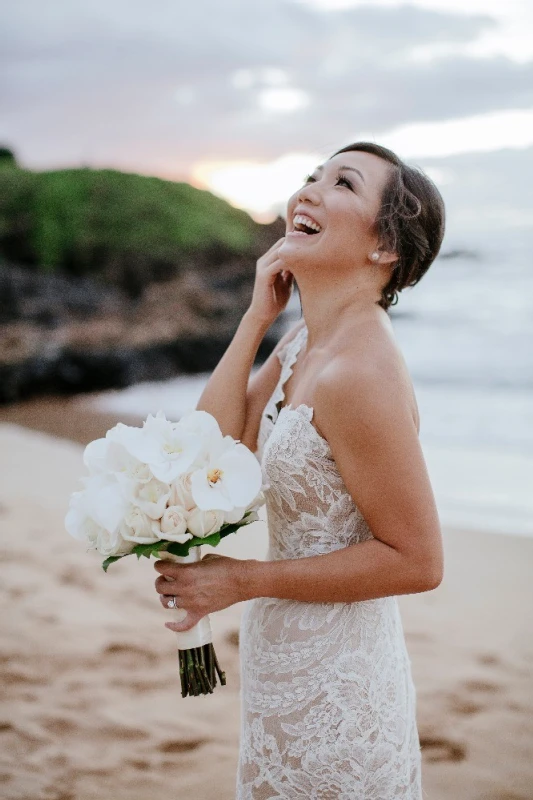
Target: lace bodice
x,y
327,698
309,492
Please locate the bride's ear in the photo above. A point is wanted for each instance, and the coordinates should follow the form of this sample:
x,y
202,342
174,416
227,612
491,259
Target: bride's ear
x,y
383,257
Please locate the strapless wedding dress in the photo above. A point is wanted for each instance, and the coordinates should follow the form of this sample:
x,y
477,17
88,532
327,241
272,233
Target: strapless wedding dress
x,y
328,704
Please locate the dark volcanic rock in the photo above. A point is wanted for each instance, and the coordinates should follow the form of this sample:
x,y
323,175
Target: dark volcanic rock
x,y
67,335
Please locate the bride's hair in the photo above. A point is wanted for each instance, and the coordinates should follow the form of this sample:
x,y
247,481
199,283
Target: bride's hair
x,y
410,222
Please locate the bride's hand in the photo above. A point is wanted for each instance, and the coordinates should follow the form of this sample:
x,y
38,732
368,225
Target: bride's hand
x,y
209,585
273,285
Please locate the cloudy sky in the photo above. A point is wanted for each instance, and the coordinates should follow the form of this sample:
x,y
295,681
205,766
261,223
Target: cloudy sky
x,y
244,97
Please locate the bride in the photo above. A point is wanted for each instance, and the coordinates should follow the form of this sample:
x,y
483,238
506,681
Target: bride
x,y
328,704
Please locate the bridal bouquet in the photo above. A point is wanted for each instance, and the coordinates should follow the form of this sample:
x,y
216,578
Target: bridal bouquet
x,y
165,489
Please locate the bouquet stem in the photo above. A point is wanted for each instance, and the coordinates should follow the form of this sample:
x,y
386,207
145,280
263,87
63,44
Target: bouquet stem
x,y
198,663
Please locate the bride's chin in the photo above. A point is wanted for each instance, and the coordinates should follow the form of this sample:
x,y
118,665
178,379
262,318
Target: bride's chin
x,y
294,243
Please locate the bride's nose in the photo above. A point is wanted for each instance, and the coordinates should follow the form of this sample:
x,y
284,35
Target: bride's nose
x,y
309,192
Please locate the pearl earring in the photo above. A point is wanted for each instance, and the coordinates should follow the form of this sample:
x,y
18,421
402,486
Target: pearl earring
x,y
374,256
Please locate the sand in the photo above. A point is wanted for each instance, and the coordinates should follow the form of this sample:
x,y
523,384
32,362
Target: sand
x,y
91,701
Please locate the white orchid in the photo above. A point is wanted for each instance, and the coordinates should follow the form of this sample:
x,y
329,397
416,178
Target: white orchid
x,y
168,448
231,478
203,523
78,521
258,501
106,501
125,466
134,441
95,456
95,514
205,428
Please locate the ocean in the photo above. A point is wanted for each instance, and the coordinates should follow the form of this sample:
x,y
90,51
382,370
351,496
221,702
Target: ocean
x,y
466,331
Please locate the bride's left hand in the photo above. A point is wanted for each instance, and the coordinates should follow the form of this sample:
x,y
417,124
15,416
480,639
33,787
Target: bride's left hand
x,y
209,585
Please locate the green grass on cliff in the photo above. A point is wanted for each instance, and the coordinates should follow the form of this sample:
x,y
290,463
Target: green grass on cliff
x,y
112,224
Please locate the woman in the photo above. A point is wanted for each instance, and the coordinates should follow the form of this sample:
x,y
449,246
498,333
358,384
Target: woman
x,y
328,700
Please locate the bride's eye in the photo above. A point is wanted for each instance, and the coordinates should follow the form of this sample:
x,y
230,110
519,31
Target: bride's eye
x,y
342,180
309,179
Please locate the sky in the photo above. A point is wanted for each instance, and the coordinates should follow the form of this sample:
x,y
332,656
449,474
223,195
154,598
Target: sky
x,y
245,98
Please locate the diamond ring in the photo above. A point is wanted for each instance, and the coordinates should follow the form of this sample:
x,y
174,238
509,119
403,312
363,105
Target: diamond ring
x,y
172,603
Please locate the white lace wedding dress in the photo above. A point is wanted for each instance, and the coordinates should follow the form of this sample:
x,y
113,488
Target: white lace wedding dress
x,y
327,699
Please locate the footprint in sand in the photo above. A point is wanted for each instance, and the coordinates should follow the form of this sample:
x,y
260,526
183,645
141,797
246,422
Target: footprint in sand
x,y
472,696
140,763
121,732
488,659
180,745
481,686
439,748
71,576
59,725
233,638
464,705
128,656
13,675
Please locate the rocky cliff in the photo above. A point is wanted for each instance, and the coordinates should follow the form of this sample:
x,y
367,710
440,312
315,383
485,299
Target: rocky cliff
x,y
107,279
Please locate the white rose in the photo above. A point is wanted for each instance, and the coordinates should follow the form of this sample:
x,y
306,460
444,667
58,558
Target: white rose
x,y
112,544
203,523
138,527
152,497
180,492
174,524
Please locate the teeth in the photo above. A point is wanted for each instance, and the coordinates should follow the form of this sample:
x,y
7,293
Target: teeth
x,y
300,219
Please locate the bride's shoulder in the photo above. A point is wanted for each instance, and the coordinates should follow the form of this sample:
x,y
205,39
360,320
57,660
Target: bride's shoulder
x,y
367,371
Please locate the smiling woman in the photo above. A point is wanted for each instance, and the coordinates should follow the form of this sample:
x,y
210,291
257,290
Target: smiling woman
x,y
328,700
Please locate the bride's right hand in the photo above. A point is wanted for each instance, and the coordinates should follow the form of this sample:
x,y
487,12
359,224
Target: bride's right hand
x,y
273,285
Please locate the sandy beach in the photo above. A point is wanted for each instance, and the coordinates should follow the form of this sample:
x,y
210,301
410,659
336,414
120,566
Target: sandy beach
x,y
92,706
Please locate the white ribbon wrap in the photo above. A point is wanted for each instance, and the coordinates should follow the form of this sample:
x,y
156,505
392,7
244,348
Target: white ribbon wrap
x,y
200,633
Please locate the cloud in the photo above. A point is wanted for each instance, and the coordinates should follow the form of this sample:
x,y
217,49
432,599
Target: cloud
x,y
156,87
488,196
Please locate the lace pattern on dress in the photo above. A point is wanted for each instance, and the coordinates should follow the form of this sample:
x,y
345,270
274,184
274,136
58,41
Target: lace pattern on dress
x,y
287,356
328,705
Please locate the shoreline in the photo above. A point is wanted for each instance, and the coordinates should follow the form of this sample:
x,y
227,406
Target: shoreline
x,y
488,473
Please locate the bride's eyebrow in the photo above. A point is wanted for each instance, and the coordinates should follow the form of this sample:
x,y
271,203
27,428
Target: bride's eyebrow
x,y
351,169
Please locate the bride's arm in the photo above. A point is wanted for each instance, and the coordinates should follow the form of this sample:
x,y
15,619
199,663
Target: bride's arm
x,y
367,420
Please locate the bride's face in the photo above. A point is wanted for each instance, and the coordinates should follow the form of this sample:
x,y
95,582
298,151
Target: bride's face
x,y
330,220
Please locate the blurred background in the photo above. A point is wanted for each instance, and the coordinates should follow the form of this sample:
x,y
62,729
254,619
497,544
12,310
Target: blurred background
x,y
147,151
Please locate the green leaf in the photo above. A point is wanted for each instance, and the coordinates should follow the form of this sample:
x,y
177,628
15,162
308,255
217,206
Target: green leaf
x,y
148,550
109,561
178,549
213,539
